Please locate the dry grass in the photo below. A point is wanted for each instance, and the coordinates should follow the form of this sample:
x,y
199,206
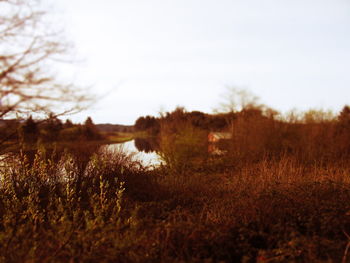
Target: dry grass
x,y
117,137
268,210
272,211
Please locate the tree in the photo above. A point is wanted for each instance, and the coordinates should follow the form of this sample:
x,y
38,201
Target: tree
x,y
147,123
343,128
344,116
314,116
29,130
51,128
90,130
237,99
28,49
68,124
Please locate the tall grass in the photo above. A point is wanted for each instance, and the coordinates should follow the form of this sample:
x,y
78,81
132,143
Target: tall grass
x,y
182,146
55,211
269,211
280,194
272,211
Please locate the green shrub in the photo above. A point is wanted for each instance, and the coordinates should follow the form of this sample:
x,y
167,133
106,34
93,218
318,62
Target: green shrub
x,y
183,147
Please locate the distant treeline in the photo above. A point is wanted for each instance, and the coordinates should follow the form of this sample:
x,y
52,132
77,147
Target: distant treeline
x,y
257,132
49,130
107,127
196,118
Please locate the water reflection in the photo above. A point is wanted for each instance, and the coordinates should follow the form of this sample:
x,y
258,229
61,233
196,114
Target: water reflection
x,y
146,145
80,153
141,151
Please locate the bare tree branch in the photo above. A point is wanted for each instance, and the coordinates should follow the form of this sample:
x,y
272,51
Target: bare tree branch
x,y
29,49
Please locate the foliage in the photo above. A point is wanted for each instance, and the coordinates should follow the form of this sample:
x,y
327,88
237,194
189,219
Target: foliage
x,y
28,132
182,146
237,99
30,51
53,130
280,194
196,118
148,123
56,211
267,210
90,131
344,116
29,46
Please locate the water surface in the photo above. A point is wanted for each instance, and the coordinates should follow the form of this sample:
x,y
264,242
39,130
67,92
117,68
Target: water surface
x,y
149,158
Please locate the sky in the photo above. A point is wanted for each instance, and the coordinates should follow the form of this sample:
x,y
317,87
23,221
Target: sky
x,y
143,57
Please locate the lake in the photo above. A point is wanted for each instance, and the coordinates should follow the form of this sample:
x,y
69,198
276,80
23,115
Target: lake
x,y
141,150
147,158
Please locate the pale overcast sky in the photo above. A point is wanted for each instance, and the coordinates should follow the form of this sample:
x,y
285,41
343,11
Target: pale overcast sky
x,y
157,54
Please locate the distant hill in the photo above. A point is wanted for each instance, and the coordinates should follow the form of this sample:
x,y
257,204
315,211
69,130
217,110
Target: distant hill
x,y
107,127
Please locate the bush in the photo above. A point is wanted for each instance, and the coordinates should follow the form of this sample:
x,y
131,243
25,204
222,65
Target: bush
x,y
56,211
182,146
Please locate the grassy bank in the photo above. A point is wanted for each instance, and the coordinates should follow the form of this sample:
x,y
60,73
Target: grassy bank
x,y
120,137
279,193
117,137
115,211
